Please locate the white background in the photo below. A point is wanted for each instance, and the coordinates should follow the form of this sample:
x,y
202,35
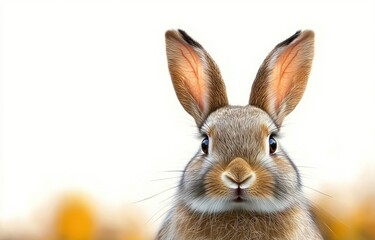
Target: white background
x,y
87,103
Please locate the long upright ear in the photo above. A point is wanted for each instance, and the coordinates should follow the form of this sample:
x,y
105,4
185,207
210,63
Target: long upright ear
x,y
195,76
282,78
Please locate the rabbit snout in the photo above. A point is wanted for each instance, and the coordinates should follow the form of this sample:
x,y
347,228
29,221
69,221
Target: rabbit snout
x,y
238,174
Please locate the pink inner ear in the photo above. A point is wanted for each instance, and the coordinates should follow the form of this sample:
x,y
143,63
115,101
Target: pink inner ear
x,y
191,68
285,72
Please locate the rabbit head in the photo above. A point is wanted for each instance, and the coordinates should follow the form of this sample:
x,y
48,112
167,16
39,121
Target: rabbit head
x,y
240,164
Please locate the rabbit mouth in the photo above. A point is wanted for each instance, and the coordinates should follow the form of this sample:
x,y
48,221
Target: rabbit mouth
x,y
239,195
239,199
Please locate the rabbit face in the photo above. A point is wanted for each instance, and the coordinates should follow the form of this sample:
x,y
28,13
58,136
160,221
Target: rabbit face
x,y
244,167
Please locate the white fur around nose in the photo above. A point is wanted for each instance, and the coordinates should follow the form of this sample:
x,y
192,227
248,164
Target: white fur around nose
x,y
230,183
248,181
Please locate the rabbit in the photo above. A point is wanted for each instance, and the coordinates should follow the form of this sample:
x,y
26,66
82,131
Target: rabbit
x,y
240,184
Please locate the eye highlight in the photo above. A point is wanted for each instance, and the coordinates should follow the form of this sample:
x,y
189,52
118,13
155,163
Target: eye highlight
x,y
272,144
204,145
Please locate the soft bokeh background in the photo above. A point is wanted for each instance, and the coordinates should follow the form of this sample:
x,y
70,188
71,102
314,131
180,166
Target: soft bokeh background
x,y
90,125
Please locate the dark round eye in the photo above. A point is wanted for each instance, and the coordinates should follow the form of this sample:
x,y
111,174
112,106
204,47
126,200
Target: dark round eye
x,y
273,144
204,145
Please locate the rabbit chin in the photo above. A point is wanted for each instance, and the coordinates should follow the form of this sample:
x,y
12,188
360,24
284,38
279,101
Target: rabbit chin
x,y
260,205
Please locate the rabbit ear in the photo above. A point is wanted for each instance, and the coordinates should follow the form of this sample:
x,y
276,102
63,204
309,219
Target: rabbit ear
x,y
195,76
282,78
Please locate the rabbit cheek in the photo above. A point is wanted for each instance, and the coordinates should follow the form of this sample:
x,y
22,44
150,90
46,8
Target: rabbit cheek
x,y
213,185
192,174
264,186
288,171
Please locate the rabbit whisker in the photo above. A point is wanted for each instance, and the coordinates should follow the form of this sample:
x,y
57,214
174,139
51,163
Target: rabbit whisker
x,y
157,194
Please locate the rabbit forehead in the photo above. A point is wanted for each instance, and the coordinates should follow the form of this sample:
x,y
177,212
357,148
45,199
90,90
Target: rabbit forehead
x,y
238,117
239,130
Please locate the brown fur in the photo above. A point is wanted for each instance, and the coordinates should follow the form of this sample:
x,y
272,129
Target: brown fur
x,y
295,223
203,91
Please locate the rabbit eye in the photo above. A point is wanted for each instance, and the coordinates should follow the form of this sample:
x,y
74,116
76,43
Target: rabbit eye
x,y
273,144
204,145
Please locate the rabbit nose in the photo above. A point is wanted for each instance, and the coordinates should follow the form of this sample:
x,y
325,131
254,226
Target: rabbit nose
x,y
238,174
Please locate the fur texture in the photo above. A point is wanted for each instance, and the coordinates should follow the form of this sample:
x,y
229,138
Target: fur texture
x,y
295,223
243,186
